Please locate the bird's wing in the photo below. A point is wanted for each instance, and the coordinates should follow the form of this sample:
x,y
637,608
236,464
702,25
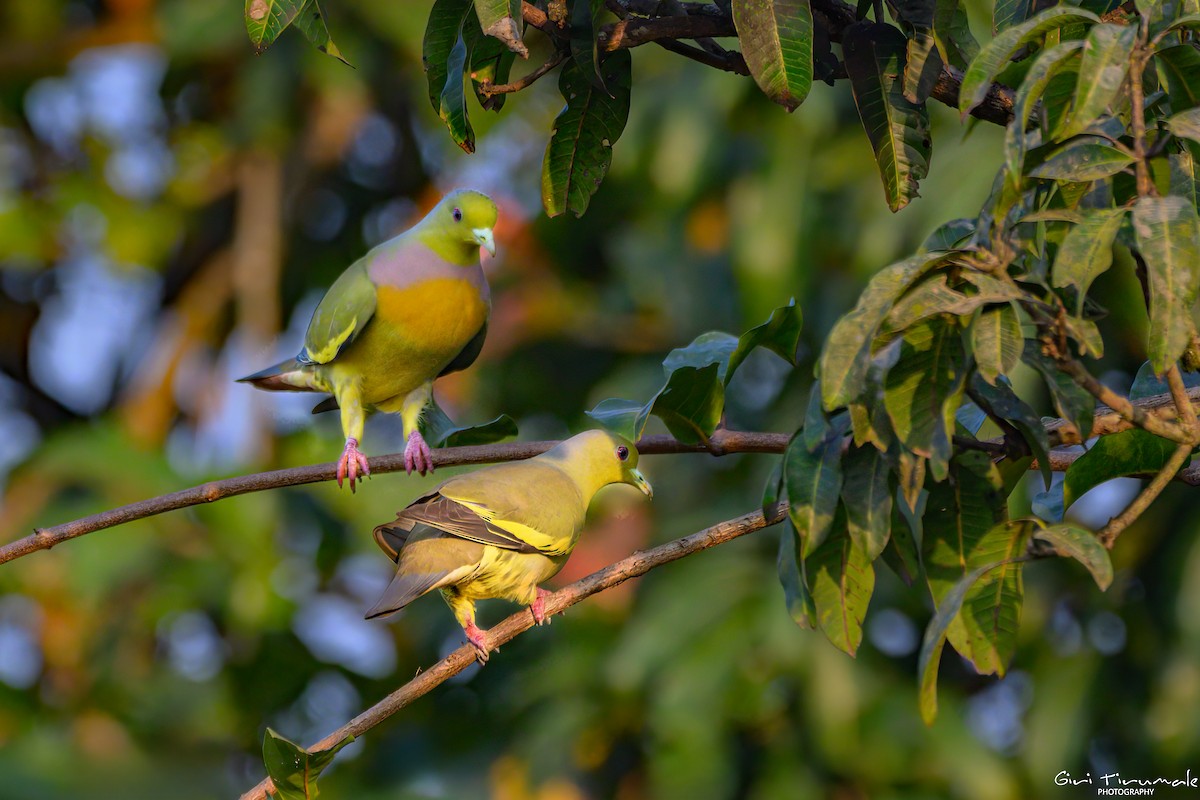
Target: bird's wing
x,y
455,518
341,315
430,559
530,502
468,354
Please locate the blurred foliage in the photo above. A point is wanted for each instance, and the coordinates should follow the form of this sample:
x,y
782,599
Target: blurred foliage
x,y
171,205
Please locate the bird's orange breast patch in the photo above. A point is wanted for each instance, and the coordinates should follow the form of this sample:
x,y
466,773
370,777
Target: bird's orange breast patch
x,y
437,307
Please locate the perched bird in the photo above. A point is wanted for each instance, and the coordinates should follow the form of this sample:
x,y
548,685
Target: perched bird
x,y
502,530
411,310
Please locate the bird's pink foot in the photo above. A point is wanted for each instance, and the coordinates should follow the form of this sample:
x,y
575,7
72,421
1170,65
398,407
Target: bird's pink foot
x,y
538,608
417,454
352,464
478,640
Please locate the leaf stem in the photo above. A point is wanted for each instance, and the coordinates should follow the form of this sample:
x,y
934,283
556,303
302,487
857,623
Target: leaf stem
x,y
1109,533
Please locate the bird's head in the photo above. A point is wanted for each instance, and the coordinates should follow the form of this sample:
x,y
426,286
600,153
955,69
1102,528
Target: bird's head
x,y
603,458
466,219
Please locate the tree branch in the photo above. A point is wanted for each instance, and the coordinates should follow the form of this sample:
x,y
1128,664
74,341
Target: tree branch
x,y
612,575
1136,414
725,441
1109,533
489,89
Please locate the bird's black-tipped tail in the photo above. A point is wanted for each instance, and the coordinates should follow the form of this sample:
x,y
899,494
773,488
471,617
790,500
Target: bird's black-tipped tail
x,y
401,591
277,378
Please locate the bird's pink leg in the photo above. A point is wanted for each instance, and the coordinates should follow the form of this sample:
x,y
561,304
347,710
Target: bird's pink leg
x,y
417,454
351,463
478,640
538,608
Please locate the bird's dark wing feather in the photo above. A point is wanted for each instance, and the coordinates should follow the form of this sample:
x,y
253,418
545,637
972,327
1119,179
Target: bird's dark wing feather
x,y
455,519
466,357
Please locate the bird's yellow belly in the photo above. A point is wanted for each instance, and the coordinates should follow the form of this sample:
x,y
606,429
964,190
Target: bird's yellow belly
x,y
416,331
509,575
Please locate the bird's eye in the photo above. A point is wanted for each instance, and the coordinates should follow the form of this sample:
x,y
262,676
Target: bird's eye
x,y
622,452
458,215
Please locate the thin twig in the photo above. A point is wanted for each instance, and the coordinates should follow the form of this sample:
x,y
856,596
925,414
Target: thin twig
x,y
1121,405
45,538
1183,403
729,61
612,575
1109,533
524,82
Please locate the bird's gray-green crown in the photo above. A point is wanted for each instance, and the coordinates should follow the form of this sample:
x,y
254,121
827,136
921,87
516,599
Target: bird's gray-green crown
x,y
460,224
599,458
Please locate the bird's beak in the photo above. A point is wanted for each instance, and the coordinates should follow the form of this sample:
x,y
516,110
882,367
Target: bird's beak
x,y
639,480
485,239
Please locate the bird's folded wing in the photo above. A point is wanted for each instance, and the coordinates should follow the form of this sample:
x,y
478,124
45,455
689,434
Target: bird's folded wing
x,y
462,520
341,315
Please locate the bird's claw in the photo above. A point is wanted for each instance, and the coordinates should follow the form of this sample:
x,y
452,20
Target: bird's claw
x,y
417,454
351,464
538,608
478,640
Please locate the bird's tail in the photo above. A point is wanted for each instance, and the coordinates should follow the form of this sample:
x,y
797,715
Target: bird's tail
x,y
403,589
286,376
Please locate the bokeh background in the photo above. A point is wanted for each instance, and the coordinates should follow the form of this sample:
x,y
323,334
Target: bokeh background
x,y
171,208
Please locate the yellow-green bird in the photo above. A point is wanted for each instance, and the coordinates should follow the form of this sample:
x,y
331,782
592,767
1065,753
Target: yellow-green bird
x,y
411,310
502,530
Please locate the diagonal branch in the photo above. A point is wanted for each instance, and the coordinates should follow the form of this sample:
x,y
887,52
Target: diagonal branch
x,y
612,575
726,441
1108,535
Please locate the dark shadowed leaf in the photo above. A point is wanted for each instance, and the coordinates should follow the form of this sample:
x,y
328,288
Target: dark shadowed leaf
x,y
780,334
902,552
1008,13
691,403
950,235
1131,452
501,19
1083,546
813,482
1168,236
445,55
791,576
491,62
816,428
1180,68
1105,63
773,489
1072,402
1086,251
995,54
580,148
293,770
846,357
867,494
1044,68
585,48
898,128
1147,384
922,391
440,431
923,63
952,33
842,580
1084,161
997,342
777,41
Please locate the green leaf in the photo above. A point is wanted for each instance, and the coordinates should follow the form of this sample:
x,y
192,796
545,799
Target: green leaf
x,y
910,473
842,580
1147,384
293,770
791,576
266,19
813,482
996,54
1186,124
949,235
1086,334
1179,68
712,347
846,357
624,417
952,34
898,128
1008,13
491,62
867,495
1086,251
991,610
922,391
1106,57
934,296
1083,546
585,48
776,37
1004,403
440,431
1168,235
816,430
1082,161
691,403
901,552
500,20
1045,67
773,489
1118,455
580,148
444,54
923,63
1071,401
780,334
311,22
935,639
997,342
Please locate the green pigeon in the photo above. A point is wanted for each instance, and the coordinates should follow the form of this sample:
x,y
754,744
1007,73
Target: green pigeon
x,y
411,310
501,530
